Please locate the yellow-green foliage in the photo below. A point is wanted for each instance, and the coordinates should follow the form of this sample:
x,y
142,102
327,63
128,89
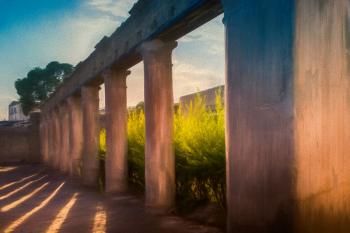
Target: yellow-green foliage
x,y
103,143
199,142
200,152
136,147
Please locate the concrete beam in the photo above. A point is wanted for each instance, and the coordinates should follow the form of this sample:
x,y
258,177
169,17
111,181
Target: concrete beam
x,y
150,19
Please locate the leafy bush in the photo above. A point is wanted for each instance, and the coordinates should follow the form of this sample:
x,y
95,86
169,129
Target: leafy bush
x,y
136,148
200,152
199,141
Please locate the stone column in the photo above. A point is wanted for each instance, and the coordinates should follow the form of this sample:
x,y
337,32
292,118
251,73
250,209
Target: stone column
x,y
64,129
159,151
116,130
44,138
50,139
287,115
76,135
90,106
56,139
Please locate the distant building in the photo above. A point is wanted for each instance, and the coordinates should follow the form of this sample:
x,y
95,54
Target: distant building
x,y
209,95
16,112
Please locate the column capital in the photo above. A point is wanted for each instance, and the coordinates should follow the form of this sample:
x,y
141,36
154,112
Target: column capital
x,y
89,93
73,100
113,72
63,107
55,110
157,46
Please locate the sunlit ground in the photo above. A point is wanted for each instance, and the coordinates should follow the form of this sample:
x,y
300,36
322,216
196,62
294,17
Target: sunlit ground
x,y
62,215
23,199
100,220
17,182
12,227
7,169
20,188
47,203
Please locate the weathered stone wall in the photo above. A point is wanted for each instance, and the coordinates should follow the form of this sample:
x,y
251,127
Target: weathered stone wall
x,y
20,143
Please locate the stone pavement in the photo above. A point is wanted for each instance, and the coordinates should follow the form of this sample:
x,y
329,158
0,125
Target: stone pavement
x,y
34,200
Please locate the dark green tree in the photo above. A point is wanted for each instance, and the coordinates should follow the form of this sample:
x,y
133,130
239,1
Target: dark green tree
x,y
40,84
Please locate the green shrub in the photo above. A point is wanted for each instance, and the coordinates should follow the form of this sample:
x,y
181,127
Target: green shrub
x,y
102,160
199,141
200,152
136,148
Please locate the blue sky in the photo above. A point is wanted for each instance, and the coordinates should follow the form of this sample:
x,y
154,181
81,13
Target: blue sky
x,y
33,34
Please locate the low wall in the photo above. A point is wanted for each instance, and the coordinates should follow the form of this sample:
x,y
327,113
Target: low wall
x,y
20,142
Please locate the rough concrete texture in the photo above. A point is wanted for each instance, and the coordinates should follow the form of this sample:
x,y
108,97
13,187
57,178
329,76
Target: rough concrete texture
x,y
21,142
44,138
91,134
56,152
60,204
116,130
75,134
288,115
259,114
14,144
159,151
322,120
64,129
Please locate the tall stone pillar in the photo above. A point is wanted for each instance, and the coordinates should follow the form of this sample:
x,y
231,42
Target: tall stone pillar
x,y
50,139
90,106
116,130
159,151
64,129
75,134
287,115
56,139
44,138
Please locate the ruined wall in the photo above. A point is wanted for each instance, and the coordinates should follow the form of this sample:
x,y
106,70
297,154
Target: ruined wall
x,y
20,142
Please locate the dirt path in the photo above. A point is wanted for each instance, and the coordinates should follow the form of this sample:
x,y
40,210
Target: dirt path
x,y
35,200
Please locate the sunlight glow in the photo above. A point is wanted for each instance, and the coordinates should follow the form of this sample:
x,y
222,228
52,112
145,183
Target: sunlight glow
x,y
19,181
12,227
7,169
21,188
62,215
100,220
22,199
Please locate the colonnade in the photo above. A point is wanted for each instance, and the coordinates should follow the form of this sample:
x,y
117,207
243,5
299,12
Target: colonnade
x,y
70,131
287,107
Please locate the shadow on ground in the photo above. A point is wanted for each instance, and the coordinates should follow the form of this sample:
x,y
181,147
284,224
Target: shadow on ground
x,y
34,199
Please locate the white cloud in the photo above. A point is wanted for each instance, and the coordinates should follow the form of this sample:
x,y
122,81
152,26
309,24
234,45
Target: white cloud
x,y
72,37
189,78
118,8
211,35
